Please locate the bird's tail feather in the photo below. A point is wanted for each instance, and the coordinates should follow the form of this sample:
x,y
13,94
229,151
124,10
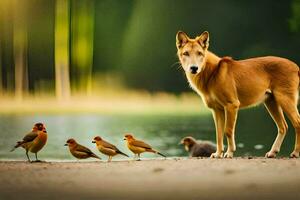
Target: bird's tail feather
x,y
161,154
13,149
124,154
95,156
157,152
19,143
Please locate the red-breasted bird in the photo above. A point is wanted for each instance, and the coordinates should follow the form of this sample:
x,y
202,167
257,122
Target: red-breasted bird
x,y
34,141
79,151
106,148
138,146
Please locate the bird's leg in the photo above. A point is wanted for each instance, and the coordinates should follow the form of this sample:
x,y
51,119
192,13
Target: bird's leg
x,y
109,159
139,158
28,156
36,158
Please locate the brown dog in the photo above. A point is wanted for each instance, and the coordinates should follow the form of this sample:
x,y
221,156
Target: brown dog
x,y
226,85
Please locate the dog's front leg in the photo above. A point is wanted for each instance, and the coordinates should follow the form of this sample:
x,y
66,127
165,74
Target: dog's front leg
x,y
219,119
231,111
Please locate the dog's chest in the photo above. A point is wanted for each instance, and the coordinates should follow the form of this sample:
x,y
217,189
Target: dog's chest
x,y
208,98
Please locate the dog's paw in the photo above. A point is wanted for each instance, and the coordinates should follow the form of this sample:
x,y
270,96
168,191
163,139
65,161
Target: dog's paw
x,y
228,154
294,154
216,155
271,154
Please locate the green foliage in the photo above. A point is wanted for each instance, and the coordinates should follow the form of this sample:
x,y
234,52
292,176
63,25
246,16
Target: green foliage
x,y
294,21
82,36
135,39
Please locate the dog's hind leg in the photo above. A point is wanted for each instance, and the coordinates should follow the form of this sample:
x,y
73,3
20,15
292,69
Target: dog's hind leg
x,y
277,114
289,106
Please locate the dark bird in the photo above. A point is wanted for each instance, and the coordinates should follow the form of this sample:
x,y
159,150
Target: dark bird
x,y
198,148
33,141
138,146
79,151
106,148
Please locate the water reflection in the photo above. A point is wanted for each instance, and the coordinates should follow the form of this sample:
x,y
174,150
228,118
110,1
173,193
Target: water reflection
x,y
254,137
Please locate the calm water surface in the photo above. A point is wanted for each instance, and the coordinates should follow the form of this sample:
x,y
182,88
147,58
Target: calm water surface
x,y
255,132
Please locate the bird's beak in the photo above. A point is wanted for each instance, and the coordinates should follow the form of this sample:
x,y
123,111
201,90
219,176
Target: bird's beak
x,y
66,144
180,143
93,141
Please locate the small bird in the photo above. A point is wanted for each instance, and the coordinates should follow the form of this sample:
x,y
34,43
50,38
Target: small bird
x,y
138,146
198,148
107,148
34,141
79,151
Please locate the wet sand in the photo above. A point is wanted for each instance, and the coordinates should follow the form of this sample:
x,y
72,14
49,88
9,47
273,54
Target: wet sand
x,y
182,178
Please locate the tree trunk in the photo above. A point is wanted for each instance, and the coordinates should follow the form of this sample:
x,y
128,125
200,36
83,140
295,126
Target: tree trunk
x,y
62,74
82,45
1,67
20,50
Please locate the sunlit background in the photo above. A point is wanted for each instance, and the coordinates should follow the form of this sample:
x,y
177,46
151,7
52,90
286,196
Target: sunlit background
x,y
106,67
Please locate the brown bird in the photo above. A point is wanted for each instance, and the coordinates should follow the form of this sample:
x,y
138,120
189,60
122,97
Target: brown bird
x,y
198,148
107,148
34,141
138,146
79,151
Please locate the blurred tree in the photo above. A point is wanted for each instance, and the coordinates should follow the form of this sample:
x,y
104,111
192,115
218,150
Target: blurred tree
x,y
20,49
62,76
111,23
6,32
134,40
294,36
148,49
82,40
1,46
41,39
294,21
1,63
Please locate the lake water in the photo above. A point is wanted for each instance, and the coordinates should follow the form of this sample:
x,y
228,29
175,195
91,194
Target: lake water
x,y
254,136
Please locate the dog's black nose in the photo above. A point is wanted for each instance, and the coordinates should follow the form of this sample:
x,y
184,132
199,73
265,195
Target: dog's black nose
x,y
193,69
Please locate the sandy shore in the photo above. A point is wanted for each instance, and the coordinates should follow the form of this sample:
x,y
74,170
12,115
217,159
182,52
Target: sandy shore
x,y
152,179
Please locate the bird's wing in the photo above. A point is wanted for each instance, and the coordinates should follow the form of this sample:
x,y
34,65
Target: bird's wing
x,y
84,149
142,144
108,145
30,136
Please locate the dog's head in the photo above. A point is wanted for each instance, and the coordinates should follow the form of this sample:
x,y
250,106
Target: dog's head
x,y
192,52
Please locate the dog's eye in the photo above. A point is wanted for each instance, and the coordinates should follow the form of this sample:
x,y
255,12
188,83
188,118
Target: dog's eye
x,y
186,53
200,53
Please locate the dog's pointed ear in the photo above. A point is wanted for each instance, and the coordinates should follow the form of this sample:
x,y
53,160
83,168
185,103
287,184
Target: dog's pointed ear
x,y
203,39
181,39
